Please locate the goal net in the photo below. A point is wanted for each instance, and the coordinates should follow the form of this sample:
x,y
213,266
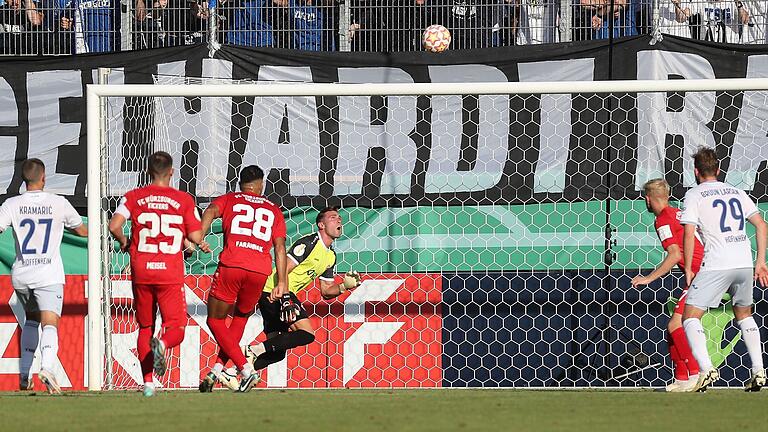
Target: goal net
x,y
497,226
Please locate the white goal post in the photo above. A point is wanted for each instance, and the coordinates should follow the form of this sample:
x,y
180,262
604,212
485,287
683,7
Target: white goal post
x,y
541,242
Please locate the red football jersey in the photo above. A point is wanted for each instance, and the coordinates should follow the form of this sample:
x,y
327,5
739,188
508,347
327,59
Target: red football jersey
x,y
250,223
670,232
161,219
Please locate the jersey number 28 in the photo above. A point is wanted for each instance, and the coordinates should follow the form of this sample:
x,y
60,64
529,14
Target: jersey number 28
x,y
261,218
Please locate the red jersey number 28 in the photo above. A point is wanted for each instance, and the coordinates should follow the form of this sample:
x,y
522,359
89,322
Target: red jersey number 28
x,y
261,218
156,224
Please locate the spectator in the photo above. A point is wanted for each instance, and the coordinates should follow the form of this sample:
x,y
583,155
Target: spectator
x,y
92,23
387,25
171,23
680,18
249,22
312,22
620,15
473,24
752,21
18,26
538,21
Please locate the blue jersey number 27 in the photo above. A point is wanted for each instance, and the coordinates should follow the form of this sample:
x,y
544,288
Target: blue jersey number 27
x,y
25,249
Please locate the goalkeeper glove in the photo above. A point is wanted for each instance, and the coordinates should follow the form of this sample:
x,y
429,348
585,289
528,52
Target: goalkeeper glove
x,y
289,310
350,282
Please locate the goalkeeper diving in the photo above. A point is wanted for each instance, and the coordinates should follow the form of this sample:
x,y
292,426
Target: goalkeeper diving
x,y
286,323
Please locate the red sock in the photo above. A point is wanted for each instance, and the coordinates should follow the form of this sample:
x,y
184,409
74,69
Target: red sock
x,y
681,370
172,337
681,343
236,330
226,342
145,352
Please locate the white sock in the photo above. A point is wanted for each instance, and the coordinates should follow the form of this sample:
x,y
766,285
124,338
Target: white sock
x,y
698,342
750,334
30,336
258,349
247,370
149,385
218,368
49,347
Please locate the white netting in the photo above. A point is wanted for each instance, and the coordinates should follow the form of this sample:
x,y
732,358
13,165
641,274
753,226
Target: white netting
x,y
497,234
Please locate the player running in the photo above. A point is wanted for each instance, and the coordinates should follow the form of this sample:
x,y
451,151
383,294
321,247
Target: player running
x,y
286,324
251,225
162,217
38,219
670,233
719,211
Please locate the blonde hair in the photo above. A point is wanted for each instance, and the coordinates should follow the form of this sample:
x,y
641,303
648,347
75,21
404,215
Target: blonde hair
x,y
656,187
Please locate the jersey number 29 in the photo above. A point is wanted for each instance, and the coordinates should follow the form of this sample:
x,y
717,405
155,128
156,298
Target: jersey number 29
x,y
261,218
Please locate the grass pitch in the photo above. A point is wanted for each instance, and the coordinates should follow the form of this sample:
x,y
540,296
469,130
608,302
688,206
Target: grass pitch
x,y
388,410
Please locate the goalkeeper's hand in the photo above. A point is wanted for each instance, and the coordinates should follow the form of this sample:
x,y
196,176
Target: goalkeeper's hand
x,y
289,310
351,280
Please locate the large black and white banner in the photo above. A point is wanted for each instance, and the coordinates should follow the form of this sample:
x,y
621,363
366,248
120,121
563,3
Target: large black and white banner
x,y
375,151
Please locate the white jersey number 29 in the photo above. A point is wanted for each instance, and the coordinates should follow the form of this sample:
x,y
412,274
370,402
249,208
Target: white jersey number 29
x,y
156,224
261,218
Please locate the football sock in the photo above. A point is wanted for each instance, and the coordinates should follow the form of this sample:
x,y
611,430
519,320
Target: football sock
x,y
218,368
145,352
288,340
681,370
698,343
30,336
751,336
226,343
267,359
236,330
172,337
49,347
684,350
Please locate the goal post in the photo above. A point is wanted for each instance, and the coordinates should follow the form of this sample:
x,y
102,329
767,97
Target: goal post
x,y
512,278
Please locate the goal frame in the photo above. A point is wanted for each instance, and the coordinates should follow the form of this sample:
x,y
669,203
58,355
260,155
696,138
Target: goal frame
x,y
98,235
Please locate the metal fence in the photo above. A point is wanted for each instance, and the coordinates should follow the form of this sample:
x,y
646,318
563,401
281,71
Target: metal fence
x,y
41,27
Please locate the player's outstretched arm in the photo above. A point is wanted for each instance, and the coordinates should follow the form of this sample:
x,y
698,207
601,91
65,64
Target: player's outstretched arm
x,y
761,235
331,290
688,244
197,238
673,257
281,268
116,229
211,213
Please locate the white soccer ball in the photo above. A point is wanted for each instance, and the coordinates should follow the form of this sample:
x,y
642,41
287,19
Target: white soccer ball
x,y
436,38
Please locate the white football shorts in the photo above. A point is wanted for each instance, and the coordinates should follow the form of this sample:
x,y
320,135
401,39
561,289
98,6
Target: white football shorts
x,y
707,289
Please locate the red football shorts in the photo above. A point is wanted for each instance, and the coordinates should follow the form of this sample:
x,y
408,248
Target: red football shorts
x,y
235,285
168,297
680,307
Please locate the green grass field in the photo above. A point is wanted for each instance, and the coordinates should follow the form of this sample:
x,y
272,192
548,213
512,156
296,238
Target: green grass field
x,y
388,410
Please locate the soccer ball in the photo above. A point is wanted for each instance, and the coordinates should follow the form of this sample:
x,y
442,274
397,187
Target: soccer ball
x,y
436,38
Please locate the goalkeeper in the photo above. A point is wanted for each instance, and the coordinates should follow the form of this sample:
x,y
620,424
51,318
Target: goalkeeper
x,y
286,323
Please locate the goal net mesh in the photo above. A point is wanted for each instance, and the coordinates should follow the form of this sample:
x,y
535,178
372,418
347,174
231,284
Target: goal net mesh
x,y
496,234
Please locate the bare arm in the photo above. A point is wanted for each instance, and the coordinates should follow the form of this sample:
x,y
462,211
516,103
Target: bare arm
x,y
761,235
34,16
681,15
673,257
330,289
198,238
211,213
82,230
281,265
116,229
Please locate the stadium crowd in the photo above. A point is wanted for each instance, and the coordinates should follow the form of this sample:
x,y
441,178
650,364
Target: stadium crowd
x,y
81,26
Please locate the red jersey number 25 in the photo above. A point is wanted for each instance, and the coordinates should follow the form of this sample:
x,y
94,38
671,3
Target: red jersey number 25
x,y
156,224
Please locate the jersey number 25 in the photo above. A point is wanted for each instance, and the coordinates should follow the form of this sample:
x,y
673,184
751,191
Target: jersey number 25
x,y
156,224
